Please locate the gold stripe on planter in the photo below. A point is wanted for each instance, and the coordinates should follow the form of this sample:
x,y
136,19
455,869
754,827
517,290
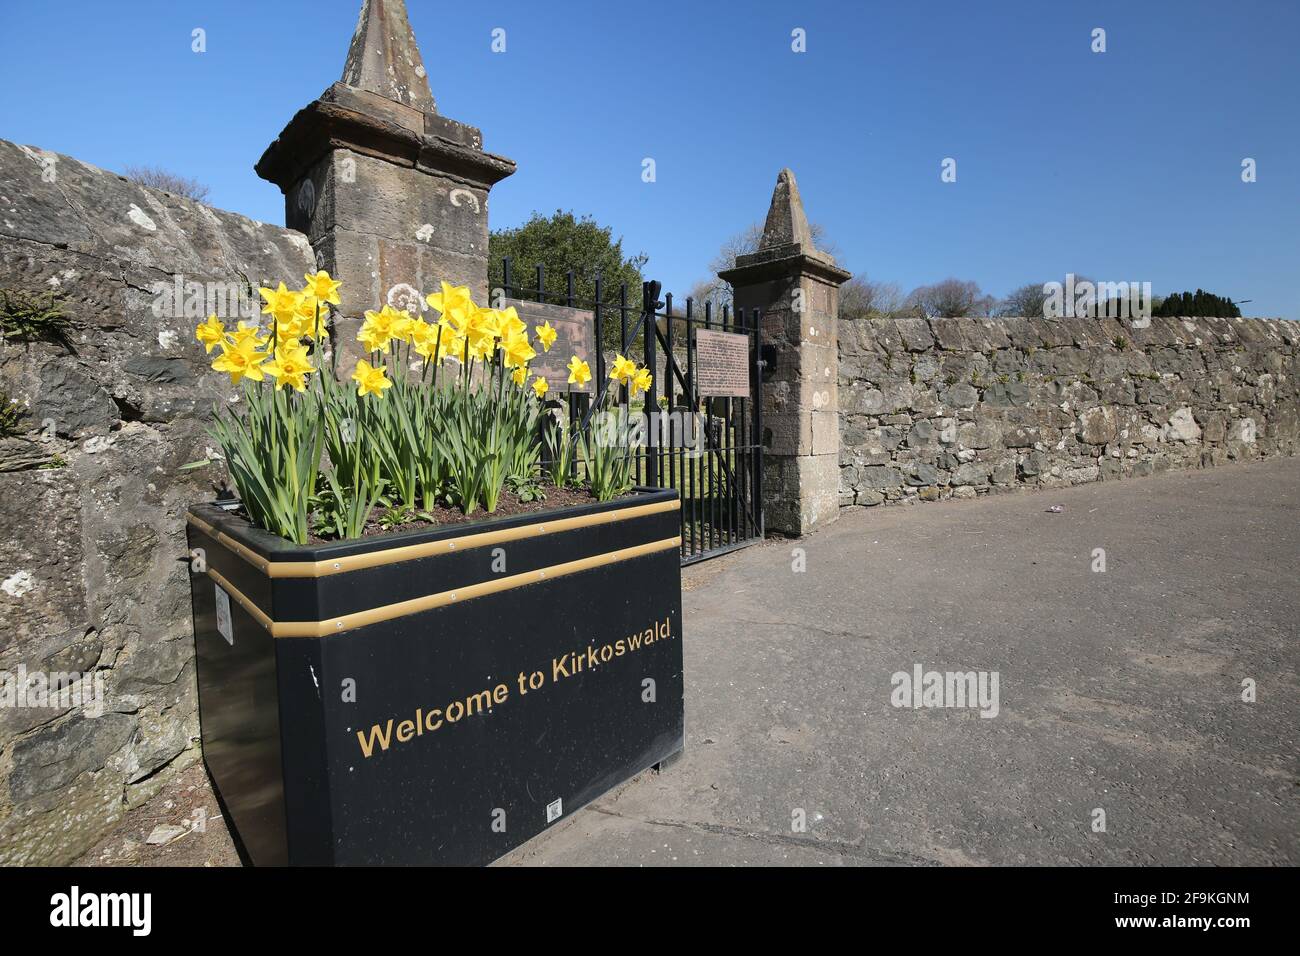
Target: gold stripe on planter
x,y
388,612
412,552
249,555
258,614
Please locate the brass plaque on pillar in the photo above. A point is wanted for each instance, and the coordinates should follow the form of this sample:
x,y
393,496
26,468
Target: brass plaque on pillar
x,y
575,335
722,363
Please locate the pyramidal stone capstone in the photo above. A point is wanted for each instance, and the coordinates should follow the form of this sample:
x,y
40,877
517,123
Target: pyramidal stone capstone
x,y
384,58
786,222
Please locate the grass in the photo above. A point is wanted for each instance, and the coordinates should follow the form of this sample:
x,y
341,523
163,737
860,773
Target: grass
x,y
31,316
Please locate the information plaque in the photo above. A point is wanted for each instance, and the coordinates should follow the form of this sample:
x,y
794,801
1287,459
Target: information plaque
x,y
722,363
575,335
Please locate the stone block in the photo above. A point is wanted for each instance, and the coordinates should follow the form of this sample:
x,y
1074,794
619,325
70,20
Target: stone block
x,y
978,434
959,395
1007,393
70,399
1097,426
58,753
788,433
42,589
972,473
1182,426
802,492
825,433
924,473
881,478
862,399
948,334
59,826
1020,436
915,334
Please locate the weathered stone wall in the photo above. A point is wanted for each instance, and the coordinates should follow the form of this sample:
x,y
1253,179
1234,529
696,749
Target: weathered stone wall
x,y
92,570
944,408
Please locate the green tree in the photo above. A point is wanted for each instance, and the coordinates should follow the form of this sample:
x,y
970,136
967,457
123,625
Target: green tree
x,y
562,242
1198,304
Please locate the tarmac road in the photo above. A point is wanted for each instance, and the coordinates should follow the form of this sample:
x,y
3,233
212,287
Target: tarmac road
x,y
1119,691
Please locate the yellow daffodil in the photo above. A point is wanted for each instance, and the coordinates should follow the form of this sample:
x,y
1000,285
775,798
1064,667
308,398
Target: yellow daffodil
x,y
641,381
481,331
459,348
377,330
311,314
281,303
519,375
579,371
461,319
290,332
290,367
424,336
623,370
241,359
449,343
402,326
541,386
370,380
453,302
482,321
509,324
546,335
491,321
248,333
322,287
517,352
211,333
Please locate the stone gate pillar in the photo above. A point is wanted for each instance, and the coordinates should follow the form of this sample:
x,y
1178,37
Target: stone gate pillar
x,y
796,288
392,196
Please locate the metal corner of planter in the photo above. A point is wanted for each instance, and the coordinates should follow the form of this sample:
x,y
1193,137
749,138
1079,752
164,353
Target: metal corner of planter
x,y
435,697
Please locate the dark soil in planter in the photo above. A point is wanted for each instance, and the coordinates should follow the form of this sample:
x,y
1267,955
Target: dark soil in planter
x,y
508,504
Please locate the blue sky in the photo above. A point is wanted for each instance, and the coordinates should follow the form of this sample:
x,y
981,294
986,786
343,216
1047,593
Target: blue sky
x,y
1123,165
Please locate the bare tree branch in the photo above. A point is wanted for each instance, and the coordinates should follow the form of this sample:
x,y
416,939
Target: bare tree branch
x,y
159,178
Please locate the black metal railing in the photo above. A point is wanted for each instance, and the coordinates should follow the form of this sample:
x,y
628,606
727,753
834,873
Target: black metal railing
x,y
709,448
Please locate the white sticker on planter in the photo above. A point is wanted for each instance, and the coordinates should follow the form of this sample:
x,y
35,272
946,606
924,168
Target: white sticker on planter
x,y
554,810
223,615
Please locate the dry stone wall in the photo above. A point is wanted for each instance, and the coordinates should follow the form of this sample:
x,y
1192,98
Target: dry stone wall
x,y
939,408
92,496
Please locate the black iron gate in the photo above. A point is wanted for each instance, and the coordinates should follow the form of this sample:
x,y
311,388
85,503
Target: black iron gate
x,y
707,447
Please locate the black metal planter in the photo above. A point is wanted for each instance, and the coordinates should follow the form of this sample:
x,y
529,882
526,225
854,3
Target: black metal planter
x,y
434,697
